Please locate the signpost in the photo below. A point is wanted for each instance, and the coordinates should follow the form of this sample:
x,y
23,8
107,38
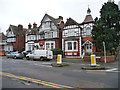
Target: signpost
x,y
104,52
59,59
93,60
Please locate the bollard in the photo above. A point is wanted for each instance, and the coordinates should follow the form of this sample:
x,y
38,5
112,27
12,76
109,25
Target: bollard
x,y
93,60
59,59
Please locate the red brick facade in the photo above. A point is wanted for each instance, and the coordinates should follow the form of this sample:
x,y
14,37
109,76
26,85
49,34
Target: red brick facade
x,y
19,32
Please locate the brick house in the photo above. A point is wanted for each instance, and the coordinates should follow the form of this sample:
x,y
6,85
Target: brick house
x,y
31,37
50,32
77,37
71,39
15,38
2,44
87,26
47,36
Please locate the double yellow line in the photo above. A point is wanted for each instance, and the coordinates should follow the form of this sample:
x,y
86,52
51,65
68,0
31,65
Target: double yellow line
x,y
35,80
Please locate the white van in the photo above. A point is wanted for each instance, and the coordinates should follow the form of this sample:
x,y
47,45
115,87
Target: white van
x,y
40,54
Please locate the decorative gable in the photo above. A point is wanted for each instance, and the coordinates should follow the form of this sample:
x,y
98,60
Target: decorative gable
x,y
10,33
49,26
70,21
46,19
71,28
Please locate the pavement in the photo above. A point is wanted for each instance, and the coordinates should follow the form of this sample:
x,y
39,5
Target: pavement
x,y
81,63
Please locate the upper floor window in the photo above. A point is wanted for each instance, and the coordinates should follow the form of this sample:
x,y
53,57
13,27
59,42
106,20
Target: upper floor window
x,y
31,37
88,31
71,32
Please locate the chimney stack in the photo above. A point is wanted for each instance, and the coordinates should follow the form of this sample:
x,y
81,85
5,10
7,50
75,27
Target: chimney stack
x,y
60,17
29,26
20,27
34,25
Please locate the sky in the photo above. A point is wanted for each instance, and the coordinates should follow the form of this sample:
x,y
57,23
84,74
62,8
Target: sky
x,y
23,12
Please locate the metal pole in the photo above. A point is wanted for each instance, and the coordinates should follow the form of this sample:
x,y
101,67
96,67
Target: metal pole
x,y
104,52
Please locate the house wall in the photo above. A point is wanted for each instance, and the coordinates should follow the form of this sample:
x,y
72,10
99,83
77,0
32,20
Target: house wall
x,y
16,40
19,45
71,53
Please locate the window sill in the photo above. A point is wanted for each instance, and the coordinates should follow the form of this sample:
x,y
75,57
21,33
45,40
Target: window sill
x,y
71,50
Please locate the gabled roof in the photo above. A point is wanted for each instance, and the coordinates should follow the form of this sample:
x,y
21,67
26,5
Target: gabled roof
x,y
87,42
70,21
54,20
15,29
2,36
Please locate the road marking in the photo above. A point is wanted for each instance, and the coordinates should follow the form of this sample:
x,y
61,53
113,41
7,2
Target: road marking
x,y
42,65
108,70
35,80
113,69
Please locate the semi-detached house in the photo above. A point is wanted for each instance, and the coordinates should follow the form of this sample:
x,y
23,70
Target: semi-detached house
x,y
77,37
15,38
47,36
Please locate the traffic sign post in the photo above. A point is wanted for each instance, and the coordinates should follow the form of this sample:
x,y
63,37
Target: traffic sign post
x,y
59,59
93,60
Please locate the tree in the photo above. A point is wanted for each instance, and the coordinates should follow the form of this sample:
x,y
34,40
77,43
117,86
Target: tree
x,y
107,27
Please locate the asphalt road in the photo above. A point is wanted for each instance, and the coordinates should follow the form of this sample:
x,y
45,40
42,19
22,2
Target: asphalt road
x,y
71,76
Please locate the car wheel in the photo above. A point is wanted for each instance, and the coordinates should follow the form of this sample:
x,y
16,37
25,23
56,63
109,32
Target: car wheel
x,y
41,58
27,58
15,57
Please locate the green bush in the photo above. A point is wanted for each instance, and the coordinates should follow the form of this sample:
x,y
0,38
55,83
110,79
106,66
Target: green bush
x,y
57,51
87,54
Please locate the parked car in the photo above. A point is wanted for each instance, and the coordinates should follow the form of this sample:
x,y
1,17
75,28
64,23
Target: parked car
x,y
2,53
14,55
25,52
40,54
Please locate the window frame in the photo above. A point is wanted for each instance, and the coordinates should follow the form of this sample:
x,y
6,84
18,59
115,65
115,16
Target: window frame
x,y
73,49
50,45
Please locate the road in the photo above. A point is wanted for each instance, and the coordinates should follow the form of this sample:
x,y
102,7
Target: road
x,y
18,73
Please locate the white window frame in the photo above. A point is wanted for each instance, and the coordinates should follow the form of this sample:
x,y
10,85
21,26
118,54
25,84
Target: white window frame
x,y
66,45
49,45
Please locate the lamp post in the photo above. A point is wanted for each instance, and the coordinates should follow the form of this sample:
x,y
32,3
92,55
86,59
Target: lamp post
x,y
104,52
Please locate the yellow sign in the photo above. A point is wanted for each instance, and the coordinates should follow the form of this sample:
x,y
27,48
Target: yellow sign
x,y
93,60
59,59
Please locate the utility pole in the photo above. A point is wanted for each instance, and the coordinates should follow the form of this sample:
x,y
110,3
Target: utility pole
x,y
104,52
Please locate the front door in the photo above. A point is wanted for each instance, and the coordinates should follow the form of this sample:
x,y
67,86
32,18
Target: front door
x,y
89,48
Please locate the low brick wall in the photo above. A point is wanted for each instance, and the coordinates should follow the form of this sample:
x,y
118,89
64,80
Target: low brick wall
x,y
108,58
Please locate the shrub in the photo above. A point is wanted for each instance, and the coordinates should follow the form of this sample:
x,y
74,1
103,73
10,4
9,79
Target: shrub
x,y
87,54
57,51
